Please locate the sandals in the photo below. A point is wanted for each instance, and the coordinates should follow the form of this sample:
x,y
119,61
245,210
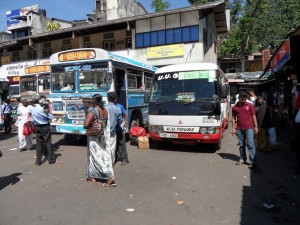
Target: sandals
x,y
240,162
110,183
91,179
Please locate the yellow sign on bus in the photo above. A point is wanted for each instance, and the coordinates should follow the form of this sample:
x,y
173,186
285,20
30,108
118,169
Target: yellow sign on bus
x,y
37,69
76,55
168,51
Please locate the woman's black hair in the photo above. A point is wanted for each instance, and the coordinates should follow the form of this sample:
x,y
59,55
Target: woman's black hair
x,y
97,99
112,96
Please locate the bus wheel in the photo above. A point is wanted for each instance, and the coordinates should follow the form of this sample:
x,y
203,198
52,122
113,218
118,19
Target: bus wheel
x,y
217,146
226,127
153,144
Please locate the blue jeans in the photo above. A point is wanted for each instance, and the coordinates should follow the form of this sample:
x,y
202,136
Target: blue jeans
x,y
246,137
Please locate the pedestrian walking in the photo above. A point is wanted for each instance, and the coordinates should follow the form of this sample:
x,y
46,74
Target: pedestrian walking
x,y
6,111
99,162
264,122
41,119
251,97
115,117
23,112
121,148
244,125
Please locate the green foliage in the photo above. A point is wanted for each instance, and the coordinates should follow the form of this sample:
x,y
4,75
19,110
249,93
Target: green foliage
x,y
257,24
160,5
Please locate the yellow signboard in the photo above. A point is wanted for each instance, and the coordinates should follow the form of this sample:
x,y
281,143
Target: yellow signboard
x,y
5,60
37,69
167,51
76,55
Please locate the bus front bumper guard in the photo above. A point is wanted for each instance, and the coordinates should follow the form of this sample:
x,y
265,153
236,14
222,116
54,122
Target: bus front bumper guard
x,y
186,137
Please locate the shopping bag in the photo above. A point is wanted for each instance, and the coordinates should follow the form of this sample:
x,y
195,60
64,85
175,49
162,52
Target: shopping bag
x,y
137,132
28,128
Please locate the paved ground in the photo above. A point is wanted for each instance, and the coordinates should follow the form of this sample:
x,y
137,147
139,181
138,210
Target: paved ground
x,y
173,185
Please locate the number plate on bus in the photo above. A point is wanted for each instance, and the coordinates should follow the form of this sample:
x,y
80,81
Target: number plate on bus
x,y
168,135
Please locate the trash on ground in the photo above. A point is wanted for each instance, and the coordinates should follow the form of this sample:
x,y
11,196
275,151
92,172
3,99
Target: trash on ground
x,y
180,202
130,210
174,178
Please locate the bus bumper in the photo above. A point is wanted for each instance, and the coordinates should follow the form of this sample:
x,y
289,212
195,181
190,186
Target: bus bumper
x,y
67,129
186,138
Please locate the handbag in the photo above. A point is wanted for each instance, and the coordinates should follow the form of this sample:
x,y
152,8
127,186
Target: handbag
x,y
297,118
28,127
95,129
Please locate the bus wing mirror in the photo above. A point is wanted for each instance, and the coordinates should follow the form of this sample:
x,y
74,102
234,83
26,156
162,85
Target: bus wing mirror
x,y
224,91
146,97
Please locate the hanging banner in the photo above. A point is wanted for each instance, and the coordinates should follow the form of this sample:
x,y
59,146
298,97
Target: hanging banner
x,y
281,57
265,57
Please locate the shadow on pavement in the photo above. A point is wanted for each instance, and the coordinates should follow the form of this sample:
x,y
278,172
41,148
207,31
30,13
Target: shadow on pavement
x,y
273,197
9,180
4,136
229,156
199,148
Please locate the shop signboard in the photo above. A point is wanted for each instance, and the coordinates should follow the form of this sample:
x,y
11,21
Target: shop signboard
x,y
282,56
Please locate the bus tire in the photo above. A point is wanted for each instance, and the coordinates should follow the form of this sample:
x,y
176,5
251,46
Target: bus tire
x,y
136,120
226,127
153,144
217,146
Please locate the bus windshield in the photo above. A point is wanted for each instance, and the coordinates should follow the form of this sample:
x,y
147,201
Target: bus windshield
x,y
14,90
28,85
183,87
62,81
44,84
95,78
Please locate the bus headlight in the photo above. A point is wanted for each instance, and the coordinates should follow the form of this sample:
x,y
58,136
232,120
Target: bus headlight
x,y
58,119
156,129
208,130
211,130
203,130
77,122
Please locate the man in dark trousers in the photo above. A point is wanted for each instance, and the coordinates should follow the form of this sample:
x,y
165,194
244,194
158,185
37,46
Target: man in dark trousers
x,y
41,118
121,149
244,125
7,110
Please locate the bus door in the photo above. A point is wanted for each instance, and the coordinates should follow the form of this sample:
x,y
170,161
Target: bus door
x,y
120,87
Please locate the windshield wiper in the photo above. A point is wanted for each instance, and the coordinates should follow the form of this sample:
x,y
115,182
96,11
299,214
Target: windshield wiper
x,y
165,101
200,100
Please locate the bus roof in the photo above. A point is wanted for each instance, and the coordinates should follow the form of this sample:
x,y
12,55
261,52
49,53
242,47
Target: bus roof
x,y
187,67
95,54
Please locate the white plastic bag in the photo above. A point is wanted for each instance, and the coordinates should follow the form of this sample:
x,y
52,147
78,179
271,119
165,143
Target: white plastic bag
x,y
297,118
272,135
17,122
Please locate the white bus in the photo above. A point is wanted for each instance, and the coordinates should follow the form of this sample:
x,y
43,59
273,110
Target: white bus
x,y
76,75
35,82
188,104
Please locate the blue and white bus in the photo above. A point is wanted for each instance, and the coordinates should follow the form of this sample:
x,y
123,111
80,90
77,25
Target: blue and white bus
x,y
76,75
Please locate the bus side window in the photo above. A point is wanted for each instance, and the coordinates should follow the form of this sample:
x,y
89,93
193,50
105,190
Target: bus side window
x,y
139,83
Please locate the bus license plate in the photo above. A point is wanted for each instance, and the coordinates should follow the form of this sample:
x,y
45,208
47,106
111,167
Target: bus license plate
x,y
168,135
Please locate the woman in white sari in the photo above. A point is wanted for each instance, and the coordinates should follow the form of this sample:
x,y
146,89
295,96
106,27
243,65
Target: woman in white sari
x,y
25,142
99,161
